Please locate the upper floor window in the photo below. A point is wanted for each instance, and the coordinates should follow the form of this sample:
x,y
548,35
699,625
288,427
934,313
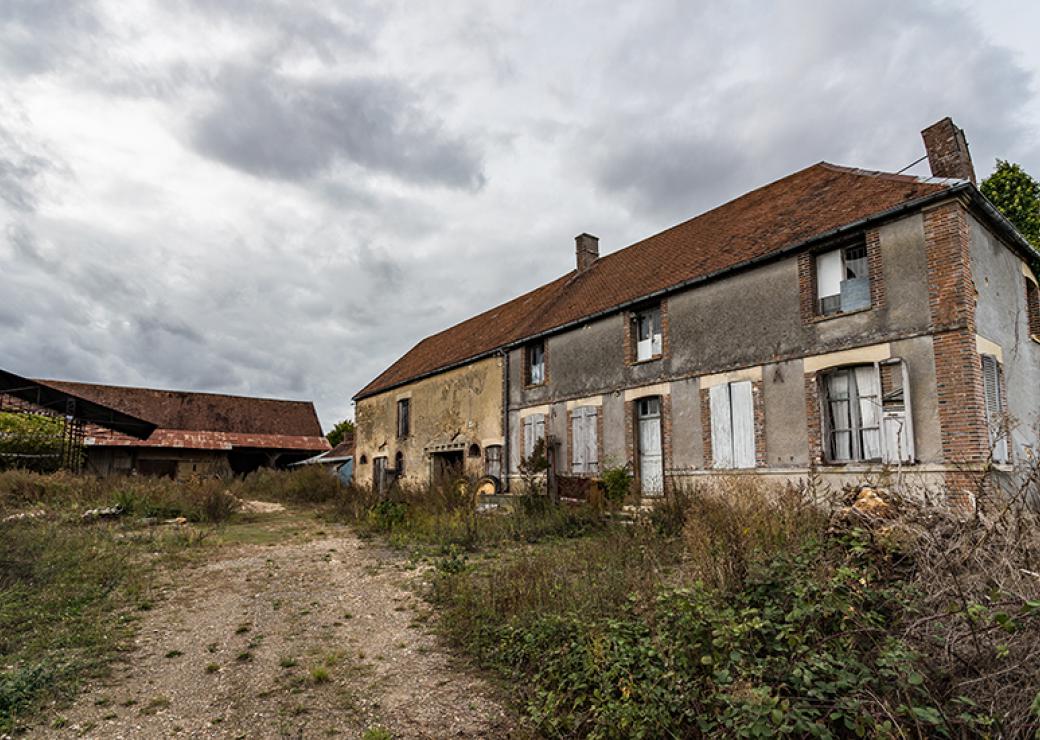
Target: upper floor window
x,y
535,367
648,333
404,420
842,280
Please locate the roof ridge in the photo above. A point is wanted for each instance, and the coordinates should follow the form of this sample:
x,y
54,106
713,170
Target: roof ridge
x,y
213,394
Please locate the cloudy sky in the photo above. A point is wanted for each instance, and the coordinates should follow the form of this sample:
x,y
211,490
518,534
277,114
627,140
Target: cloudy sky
x,y
280,197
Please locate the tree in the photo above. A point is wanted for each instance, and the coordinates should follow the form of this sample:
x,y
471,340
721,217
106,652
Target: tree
x,y
338,432
1017,195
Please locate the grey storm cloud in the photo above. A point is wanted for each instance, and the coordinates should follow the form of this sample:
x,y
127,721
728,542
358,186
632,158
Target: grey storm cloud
x,y
861,76
373,172
20,172
271,125
39,35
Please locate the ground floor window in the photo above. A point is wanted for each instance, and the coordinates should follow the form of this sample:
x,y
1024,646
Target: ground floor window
x,y
993,390
867,413
732,425
585,440
534,430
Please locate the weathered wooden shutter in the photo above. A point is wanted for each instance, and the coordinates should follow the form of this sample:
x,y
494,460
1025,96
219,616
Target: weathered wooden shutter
x,y
578,444
721,426
994,407
539,429
897,424
528,435
591,439
742,408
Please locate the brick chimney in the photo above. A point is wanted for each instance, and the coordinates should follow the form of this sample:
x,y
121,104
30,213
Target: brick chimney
x,y
947,149
586,249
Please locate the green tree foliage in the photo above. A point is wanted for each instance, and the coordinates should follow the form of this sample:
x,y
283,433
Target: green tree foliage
x,y
338,432
30,441
1017,195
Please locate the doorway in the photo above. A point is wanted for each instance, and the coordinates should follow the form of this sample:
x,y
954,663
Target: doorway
x,y
651,459
447,467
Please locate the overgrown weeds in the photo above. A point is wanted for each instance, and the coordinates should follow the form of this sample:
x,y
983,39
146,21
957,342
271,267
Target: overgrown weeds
x,y
745,610
446,516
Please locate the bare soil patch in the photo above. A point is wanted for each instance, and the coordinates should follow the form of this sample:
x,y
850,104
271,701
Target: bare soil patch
x,y
318,636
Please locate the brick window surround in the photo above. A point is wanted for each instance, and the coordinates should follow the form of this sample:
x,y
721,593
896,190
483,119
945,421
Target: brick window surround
x,y
629,334
807,276
757,387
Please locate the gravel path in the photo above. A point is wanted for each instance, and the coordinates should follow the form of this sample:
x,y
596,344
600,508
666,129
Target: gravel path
x,y
313,639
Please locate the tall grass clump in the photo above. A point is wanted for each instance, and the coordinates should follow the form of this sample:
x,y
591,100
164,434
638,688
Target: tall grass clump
x,y
306,484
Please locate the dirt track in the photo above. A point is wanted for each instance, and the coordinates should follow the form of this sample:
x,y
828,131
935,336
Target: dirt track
x,y
317,638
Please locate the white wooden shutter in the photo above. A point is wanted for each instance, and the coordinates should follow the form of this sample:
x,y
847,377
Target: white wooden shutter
x,y
721,426
578,443
528,435
868,387
828,274
742,406
994,407
539,429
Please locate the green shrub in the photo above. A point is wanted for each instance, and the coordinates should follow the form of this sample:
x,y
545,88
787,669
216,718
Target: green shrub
x,y
31,441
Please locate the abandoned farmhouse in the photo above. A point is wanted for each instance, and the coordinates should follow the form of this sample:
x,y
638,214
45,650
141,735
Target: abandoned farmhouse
x,y
836,319
176,434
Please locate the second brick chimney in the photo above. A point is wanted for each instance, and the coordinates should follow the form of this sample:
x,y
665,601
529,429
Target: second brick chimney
x,y
586,249
947,149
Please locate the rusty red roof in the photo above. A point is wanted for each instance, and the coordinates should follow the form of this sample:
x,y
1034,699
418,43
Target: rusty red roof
x,y
204,420
807,204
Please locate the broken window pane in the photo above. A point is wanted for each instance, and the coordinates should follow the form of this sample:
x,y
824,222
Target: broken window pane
x,y
648,334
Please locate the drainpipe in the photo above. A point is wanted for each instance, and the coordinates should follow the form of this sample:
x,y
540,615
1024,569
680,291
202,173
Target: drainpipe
x,y
505,419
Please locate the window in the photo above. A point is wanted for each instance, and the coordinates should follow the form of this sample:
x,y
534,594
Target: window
x,y
534,430
866,413
732,425
363,460
404,417
1033,308
648,334
842,280
474,450
493,461
585,440
994,392
535,363
399,464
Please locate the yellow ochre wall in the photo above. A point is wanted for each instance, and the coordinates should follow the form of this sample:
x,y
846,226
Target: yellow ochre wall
x,y
460,405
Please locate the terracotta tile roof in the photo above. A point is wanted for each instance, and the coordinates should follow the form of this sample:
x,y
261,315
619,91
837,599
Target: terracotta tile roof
x,y
204,420
801,206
